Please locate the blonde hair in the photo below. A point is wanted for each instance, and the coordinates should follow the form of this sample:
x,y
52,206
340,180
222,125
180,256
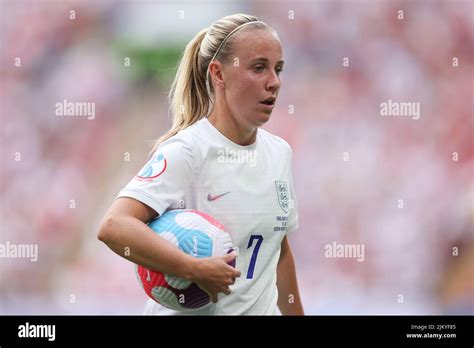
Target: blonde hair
x,y
191,93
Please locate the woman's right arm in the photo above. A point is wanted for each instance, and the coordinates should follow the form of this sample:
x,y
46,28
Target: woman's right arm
x,y
124,230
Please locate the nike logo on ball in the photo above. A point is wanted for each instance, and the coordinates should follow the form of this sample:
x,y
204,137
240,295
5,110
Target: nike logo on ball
x,y
213,198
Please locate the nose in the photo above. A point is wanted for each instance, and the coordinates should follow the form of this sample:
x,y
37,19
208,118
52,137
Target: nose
x,y
274,82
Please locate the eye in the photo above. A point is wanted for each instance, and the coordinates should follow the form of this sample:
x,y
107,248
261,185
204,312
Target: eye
x,y
259,68
279,70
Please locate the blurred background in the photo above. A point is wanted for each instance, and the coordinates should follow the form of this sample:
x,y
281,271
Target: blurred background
x,y
400,187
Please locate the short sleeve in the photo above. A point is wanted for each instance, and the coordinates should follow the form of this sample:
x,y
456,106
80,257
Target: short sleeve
x,y
165,178
293,222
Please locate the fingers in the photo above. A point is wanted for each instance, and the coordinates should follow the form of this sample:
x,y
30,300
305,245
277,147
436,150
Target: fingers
x,y
229,257
219,276
213,297
234,272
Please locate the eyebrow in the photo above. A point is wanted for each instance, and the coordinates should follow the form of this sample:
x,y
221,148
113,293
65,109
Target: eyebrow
x,y
263,59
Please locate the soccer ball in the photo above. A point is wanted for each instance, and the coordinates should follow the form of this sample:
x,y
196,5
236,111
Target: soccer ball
x,y
196,234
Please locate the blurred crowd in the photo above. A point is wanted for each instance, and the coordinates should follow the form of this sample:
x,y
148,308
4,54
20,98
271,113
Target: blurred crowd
x,y
402,187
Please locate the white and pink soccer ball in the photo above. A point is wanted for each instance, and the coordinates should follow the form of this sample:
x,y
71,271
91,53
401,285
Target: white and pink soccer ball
x,y
196,234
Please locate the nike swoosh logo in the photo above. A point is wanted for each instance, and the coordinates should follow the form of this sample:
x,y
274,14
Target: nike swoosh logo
x,y
213,198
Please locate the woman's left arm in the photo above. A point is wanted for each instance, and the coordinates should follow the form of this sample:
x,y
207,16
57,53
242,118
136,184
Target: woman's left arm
x,y
289,301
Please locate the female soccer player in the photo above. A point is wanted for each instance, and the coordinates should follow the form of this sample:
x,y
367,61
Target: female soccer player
x,y
215,159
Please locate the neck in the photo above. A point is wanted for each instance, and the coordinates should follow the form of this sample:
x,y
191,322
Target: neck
x,y
225,122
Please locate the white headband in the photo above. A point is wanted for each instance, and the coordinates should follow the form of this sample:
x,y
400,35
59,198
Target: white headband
x,y
219,48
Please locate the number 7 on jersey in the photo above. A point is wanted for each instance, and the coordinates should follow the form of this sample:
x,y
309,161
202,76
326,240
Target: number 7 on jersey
x,y
253,260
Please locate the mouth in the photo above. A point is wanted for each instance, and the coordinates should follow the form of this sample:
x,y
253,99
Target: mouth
x,y
268,103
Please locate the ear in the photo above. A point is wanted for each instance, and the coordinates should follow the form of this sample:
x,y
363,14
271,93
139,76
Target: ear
x,y
216,74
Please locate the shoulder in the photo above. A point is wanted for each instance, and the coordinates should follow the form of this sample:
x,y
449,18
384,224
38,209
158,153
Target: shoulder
x,y
185,138
275,142
181,145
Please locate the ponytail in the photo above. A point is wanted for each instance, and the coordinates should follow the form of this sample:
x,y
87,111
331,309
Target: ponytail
x,y
189,99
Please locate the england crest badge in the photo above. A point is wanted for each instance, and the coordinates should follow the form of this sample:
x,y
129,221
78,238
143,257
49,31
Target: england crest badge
x,y
283,195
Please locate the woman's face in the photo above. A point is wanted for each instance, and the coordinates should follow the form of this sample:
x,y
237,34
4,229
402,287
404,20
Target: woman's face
x,y
252,76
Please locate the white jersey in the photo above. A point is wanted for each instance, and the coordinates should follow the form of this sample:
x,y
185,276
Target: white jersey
x,y
248,189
